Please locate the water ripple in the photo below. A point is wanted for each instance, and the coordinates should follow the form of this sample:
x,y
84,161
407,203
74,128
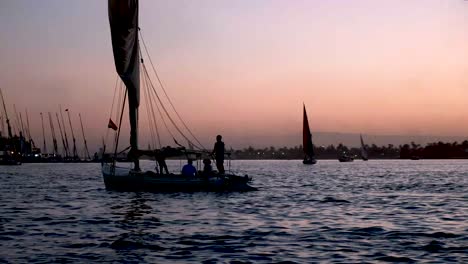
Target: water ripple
x,y
360,212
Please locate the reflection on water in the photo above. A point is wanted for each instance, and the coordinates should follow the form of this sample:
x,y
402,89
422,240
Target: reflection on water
x,y
388,211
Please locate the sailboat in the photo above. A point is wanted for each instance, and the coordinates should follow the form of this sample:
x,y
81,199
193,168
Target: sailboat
x,y
308,147
123,18
364,154
10,146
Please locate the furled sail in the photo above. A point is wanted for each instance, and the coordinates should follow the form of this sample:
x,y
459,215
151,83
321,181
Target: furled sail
x,y
364,154
123,18
307,137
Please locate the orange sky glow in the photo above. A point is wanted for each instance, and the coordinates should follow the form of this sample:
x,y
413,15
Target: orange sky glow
x,y
244,68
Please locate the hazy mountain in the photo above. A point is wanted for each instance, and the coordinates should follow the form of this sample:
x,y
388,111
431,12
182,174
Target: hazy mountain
x,y
328,138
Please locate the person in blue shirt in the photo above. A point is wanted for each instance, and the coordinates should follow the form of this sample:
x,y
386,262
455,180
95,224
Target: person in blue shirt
x,y
189,169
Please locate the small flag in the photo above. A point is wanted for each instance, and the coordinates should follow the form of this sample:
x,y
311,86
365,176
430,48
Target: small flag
x,y
112,125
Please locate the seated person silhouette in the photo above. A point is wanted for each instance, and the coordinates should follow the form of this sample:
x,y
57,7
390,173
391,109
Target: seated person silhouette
x,y
207,168
189,169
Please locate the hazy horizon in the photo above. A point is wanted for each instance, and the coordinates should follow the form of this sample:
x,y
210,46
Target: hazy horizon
x,y
243,68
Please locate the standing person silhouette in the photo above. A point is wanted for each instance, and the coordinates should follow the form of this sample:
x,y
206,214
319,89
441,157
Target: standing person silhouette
x,y
218,152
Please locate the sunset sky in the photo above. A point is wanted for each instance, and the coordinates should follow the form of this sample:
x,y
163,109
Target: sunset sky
x,y
244,68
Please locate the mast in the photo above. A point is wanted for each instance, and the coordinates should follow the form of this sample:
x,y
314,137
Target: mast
x,y
52,132
84,138
123,20
61,135
25,133
3,124
17,119
75,154
28,129
6,115
307,137
44,146
67,148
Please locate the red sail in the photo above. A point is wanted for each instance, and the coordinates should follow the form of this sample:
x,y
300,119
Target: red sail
x,y
123,19
307,137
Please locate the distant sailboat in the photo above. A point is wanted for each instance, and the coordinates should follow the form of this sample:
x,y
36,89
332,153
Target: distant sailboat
x,y
309,155
9,153
345,157
364,154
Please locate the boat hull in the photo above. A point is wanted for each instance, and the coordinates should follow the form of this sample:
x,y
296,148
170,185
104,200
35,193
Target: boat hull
x,y
6,159
10,162
309,161
122,179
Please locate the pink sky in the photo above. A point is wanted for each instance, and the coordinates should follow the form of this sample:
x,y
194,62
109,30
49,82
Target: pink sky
x,y
244,68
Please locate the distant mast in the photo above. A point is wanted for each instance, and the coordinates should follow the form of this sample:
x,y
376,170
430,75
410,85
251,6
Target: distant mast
x,y
75,152
6,115
24,132
67,148
3,125
44,146
52,133
29,129
18,125
84,139
123,19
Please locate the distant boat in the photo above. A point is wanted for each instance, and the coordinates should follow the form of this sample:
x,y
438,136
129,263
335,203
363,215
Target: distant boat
x,y
7,158
364,154
345,157
10,145
309,155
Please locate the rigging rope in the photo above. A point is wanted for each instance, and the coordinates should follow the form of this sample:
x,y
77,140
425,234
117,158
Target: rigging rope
x,y
149,117
167,96
121,105
165,110
146,78
121,91
150,109
120,125
112,108
153,126
153,116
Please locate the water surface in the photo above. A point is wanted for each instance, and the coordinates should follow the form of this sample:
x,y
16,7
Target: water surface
x,y
375,211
